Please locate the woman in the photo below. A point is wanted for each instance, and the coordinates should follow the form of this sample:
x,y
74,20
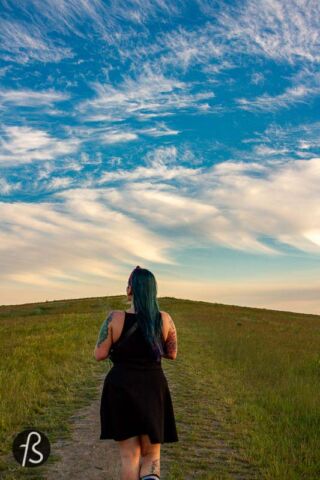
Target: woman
x,y
136,408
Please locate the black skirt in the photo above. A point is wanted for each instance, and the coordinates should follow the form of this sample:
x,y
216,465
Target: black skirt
x,y
136,400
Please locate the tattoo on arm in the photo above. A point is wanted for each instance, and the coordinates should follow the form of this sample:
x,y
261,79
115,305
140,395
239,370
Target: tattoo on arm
x,y
103,334
171,341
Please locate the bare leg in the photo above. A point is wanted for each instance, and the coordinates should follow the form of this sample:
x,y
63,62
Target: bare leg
x,y
130,451
150,456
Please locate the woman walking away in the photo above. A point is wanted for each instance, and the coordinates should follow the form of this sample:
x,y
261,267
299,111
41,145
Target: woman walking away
x,y
136,408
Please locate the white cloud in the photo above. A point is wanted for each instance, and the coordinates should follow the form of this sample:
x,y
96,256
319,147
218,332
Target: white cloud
x,y
313,235
266,150
25,43
4,70
115,161
157,209
271,103
59,182
283,30
257,78
208,205
162,156
7,187
68,15
27,97
285,141
182,48
23,144
149,95
79,238
103,118
156,171
118,137
220,205
30,38
161,130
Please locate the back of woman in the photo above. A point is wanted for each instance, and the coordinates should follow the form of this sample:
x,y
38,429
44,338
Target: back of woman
x,y
136,349
136,404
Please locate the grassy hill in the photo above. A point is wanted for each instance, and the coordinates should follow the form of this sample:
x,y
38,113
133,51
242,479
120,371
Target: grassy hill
x,y
245,380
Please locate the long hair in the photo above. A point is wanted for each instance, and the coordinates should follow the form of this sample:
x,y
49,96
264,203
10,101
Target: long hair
x,y
144,290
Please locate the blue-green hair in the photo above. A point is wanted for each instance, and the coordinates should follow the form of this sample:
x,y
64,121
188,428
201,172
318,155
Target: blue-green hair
x,y
144,290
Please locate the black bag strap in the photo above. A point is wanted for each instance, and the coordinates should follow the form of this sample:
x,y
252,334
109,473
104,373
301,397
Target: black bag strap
x,y
126,335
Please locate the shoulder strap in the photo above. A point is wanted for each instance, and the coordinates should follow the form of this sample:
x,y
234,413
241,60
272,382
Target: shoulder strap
x,y
126,335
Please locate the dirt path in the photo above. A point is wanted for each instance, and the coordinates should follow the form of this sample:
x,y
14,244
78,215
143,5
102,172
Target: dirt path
x,y
84,456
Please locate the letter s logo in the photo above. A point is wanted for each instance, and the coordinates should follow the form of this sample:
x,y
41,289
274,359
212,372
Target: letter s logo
x,y
31,448
27,445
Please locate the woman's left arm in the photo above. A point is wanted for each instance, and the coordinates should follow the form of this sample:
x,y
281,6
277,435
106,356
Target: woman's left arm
x,y
104,342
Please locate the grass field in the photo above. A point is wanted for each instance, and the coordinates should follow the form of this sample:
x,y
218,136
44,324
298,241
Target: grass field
x,y
245,384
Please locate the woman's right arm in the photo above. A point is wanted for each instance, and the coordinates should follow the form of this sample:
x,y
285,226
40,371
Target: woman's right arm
x,y
171,342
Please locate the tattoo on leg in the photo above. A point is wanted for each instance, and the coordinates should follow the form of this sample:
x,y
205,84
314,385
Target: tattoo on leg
x,y
103,334
155,466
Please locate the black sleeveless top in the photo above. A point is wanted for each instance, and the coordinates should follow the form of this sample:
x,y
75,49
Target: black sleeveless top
x,y
135,397
136,349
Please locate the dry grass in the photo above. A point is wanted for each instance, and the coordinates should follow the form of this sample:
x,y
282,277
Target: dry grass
x,y
245,384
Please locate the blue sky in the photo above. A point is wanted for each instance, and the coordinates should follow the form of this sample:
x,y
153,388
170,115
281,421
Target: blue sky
x,y
179,136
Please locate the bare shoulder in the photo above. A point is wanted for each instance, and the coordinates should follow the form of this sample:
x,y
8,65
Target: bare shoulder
x,y
116,323
115,316
166,317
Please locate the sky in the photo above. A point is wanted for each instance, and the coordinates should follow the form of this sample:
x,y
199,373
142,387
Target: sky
x,y
180,136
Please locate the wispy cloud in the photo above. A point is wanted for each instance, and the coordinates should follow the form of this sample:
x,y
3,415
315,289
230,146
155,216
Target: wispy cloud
x,y
162,156
58,182
149,93
8,187
67,15
265,150
117,136
157,136
182,49
92,235
160,130
283,30
21,144
31,98
257,78
226,204
207,206
185,48
267,207
269,103
25,43
4,70
30,39
288,141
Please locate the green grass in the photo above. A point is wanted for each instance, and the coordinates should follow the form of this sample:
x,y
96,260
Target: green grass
x,y
245,384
